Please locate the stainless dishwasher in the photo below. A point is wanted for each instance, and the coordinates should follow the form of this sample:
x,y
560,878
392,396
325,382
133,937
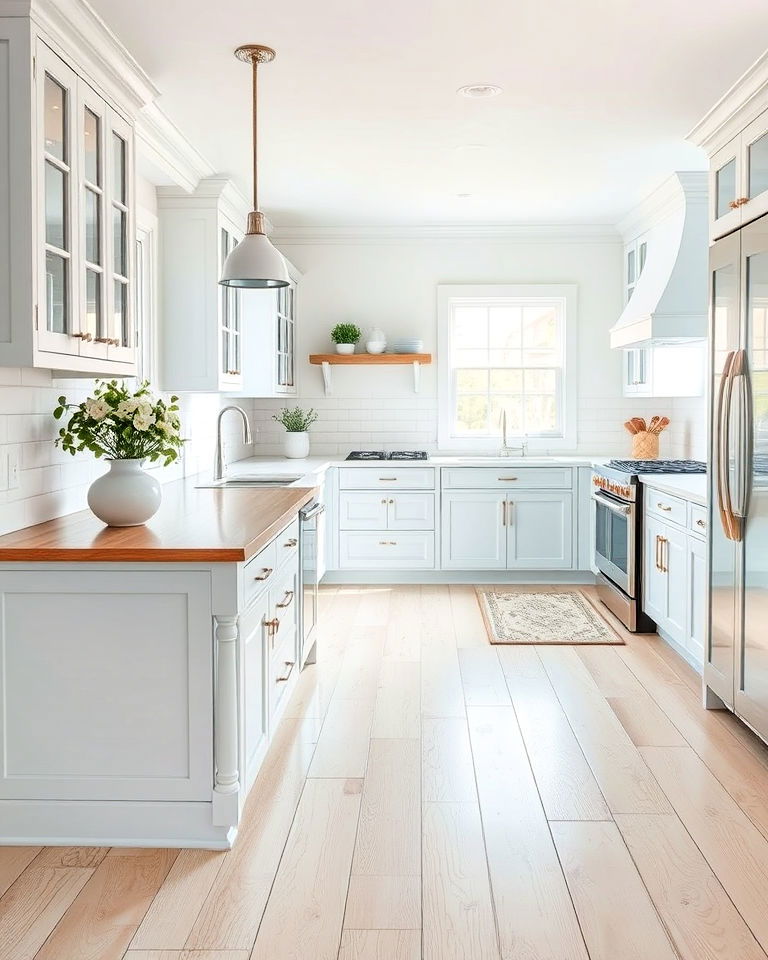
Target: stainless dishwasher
x,y
312,568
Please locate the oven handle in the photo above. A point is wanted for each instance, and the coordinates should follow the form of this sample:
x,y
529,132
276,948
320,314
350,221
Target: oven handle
x,y
621,509
313,511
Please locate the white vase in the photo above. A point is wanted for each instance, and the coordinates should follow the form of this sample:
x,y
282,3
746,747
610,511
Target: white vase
x,y
345,348
126,496
296,445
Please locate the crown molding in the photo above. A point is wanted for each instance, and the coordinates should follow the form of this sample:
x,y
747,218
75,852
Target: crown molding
x,y
218,192
738,106
502,233
165,147
675,193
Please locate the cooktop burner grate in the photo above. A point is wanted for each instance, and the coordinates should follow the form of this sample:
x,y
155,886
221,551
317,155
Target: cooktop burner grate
x,y
659,466
383,455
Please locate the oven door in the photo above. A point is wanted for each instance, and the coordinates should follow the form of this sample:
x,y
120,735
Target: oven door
x,y
615,548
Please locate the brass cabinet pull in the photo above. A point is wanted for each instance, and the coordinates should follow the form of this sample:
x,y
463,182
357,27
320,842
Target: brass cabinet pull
x,y
506,478
387,478
286,601
385,501
272,627
290,664
102,339
387,543
503,513
661,565
391,501
291,543
82,336
266,572
701,523
663,507
656,558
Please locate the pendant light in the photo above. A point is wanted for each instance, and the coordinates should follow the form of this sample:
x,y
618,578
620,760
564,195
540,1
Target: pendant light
x,y
255,262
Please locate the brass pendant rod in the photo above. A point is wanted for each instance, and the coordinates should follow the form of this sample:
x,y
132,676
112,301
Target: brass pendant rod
x,y
255,135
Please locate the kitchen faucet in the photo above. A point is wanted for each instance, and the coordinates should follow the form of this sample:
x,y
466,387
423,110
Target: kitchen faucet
x,y
506,451
218,466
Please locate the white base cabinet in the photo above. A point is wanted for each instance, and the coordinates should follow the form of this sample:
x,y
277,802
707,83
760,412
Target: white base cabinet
x,y
474,536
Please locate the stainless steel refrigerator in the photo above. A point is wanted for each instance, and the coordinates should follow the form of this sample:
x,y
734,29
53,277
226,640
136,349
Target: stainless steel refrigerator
x,y
736,668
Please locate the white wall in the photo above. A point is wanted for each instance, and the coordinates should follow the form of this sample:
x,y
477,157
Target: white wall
x,y
392,283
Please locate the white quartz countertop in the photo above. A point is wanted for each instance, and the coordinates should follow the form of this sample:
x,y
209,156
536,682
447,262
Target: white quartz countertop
x,y
691,487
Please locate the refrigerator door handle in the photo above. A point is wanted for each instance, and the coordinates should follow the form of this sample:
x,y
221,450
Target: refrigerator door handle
x,y
748,426
723,421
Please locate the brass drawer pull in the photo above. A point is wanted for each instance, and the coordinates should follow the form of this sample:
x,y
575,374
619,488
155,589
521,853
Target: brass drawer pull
x,y
503,513
266,573
387,543
290,664
272,626
663,507
701,523
291,543
507,478
387,478
286,601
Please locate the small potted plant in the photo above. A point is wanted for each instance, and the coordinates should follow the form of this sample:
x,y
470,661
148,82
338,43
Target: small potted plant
x,y
127,428
345,336
296,422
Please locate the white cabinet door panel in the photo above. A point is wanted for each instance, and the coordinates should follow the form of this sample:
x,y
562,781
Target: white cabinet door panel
x,y
386,549
654,579
473,533
362,511
675,551
697,598
72,685
411,511
252,635
540,531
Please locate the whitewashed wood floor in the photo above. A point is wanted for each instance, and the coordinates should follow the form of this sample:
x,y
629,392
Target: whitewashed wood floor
x,y
431,796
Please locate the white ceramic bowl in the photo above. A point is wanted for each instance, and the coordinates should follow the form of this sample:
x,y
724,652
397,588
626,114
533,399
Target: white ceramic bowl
x,y
376,346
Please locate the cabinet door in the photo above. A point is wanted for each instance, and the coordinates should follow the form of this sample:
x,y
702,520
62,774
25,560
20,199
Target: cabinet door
x,y
252,636
539,531
58,321
654,578
411,511
362,511
675,562
121,250
754,147
725,188
230,345
285,382
637,372
473,531
696,594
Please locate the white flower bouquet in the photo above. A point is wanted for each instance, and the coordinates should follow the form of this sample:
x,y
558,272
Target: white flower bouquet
x,y
121,425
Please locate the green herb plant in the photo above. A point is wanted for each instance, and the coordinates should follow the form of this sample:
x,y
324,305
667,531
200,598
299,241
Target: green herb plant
x,y
346,333
296,420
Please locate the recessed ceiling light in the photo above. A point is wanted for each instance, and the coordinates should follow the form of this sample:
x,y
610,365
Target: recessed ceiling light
x,y
476,91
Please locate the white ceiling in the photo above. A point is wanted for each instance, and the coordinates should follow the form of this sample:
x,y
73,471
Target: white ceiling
x,y
360,122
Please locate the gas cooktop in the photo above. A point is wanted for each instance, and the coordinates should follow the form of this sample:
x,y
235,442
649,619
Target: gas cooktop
x,y
383,455
636,467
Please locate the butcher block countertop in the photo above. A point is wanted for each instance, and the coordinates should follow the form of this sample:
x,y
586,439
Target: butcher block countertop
x,y
209,525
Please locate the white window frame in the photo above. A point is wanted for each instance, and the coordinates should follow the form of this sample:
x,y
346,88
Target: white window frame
x,y
450,294
146,298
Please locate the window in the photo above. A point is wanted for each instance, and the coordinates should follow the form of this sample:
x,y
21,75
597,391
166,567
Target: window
x,y
505,350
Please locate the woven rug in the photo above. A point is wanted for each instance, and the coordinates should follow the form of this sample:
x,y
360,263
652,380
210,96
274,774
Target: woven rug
x,y
530,617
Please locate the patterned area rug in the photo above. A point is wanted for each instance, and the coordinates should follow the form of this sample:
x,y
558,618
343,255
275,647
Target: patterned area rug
x,y
529,617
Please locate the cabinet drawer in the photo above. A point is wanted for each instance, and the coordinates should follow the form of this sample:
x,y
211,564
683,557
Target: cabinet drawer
x,y
386,549
282,673
697,519
507,478
671,509
259,572
287,543
386,477
282,607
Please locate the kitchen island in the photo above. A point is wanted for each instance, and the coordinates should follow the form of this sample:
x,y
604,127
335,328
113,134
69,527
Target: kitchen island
x,y
143,670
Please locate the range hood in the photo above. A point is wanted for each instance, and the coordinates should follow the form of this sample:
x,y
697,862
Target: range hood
x,y
669,304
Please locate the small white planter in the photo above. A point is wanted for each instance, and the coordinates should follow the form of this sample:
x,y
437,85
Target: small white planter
x,y
296,445
345,348
127,496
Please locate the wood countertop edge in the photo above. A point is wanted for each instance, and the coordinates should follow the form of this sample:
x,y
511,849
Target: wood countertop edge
x,y
170,554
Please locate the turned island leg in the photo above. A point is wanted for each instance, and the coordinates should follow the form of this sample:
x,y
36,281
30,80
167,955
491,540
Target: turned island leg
x,y
226,747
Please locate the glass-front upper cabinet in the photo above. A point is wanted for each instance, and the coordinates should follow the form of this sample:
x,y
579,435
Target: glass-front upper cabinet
x,y
286,339
229,320
738,187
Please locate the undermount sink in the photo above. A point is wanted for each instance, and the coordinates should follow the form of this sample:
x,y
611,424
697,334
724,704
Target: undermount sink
x,y
251,480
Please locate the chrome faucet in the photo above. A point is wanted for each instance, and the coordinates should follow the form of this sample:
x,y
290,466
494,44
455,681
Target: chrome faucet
x,y
506,450
218,466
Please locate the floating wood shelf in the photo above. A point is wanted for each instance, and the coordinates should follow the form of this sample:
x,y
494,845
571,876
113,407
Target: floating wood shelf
x,y
326,360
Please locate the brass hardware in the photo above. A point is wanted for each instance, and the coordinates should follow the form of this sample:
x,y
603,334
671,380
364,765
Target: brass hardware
x,y
662,566
701,523
739,202
266,572
387,543
507,478
291,543
666,509
255,53
503,513
102,339
286,601
387,478
272,627
656,558
83,336
290,664
385,501
391,501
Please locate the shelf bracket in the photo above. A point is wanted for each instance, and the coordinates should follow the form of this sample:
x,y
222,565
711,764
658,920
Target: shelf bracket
x,y
416,375
326,368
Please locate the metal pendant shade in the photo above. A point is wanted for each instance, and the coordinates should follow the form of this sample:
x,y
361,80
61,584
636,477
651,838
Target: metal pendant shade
x,y
255,263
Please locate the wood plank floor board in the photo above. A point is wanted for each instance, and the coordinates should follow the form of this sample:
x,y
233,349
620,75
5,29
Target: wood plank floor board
x,y
623,778
534,913
384,903
458,920
389,833
697,912
71,856
187,955
403,637
304,914
442,694
342,748
33,905
467,618
734,848
169,920
359,674
380,945
436,625
483,678
398,701
101,922
447,770
616,914
564,779
13,862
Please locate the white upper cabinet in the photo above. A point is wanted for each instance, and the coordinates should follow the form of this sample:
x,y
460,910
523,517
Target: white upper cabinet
x,y
67,198
738,187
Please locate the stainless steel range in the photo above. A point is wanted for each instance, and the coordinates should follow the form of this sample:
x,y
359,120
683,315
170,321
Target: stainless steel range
x,y
618,497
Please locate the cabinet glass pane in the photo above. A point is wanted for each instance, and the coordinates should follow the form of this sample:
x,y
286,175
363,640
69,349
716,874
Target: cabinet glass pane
x,y
224,350
55,206
725,188
55,108
56,292
119,248
93,302
118,168
118,321
91,147
755,654
642,257
758,166
92,227
630,266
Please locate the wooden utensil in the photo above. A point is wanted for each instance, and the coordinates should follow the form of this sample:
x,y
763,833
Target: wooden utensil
x,y
639,422
662,424
653,424
630,426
